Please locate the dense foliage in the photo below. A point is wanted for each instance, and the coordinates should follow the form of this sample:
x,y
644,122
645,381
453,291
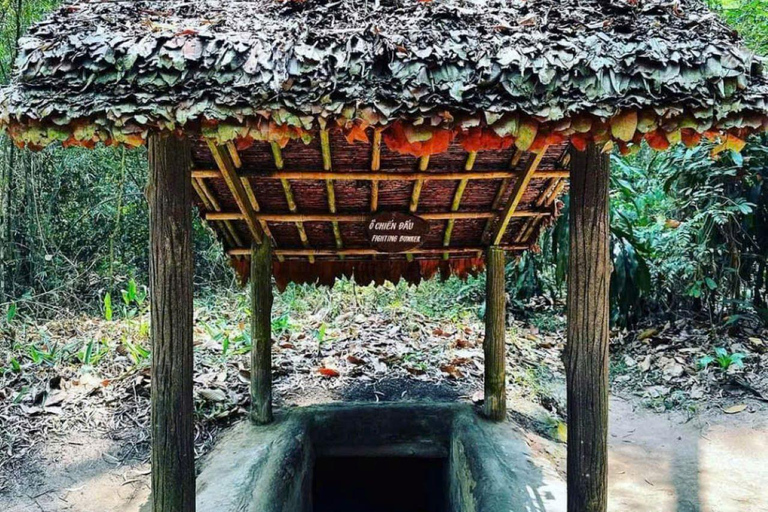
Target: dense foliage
x,y
690,232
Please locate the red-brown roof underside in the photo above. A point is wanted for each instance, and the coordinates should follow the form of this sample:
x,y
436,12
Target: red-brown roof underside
x,y
354,196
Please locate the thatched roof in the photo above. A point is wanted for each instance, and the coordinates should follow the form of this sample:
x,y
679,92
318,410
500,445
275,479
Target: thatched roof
x,y
307,117
121,67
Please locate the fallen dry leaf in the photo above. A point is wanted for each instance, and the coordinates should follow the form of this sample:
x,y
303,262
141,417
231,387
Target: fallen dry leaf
x,y
328,372
355,360
213,395
735,409
452,371
648,333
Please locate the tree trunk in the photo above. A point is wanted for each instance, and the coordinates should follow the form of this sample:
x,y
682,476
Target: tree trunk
x,y
169,194
261,333
494,346
586,356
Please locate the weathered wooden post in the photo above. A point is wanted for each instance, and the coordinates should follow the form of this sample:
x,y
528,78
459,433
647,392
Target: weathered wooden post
x,y
586,356
169,194
261,333
494,345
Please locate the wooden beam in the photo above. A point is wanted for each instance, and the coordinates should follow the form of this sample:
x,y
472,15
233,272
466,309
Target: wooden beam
x,y
363,217
545,201
375,166
586,353
171,269
225,225
234,155
383,175
457,200
373,252
261,333
502,190
249,192
521,184
227,168
325,144
416,192
277,154
494,344
530,224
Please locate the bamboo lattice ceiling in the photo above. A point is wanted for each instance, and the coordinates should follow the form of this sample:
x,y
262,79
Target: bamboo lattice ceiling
x,y
313,202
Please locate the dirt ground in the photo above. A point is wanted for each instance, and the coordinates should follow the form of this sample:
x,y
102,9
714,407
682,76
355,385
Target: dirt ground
x,y
712,462
659,462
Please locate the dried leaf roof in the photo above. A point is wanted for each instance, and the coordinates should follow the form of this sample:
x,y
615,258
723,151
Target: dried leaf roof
x,y
124,66
350,86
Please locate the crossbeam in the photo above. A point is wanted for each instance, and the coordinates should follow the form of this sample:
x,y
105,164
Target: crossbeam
x,y
384,176
373,252
362,217
227,169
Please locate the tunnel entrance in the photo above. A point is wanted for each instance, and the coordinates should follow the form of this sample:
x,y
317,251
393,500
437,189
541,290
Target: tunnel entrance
x,y
379,484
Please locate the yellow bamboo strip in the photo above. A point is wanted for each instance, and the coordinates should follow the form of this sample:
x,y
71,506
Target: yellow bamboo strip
x,y
457,201
375,166
374,252
227,168
361,217
277,155
325,145
521,184
234,155
211,203
416,193
543,200
384,176
208,206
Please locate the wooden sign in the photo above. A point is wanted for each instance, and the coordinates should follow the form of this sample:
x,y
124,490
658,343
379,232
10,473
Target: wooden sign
x,y
396,232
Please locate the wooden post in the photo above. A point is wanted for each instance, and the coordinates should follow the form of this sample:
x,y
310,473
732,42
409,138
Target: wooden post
x,y
586,354
494,345
261,333
169,194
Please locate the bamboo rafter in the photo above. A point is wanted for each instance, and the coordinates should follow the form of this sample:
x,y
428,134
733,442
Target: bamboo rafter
x,y
383,176
521,184
227,167
457,201
375,166
236,160
361,217
277,154
416,192
327,164
545,200
212,204
373,252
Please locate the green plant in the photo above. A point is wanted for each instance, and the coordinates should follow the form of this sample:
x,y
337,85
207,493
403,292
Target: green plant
x,y
134,299
723,359
11,313
281,325
108,307
138,354
92,353
320,333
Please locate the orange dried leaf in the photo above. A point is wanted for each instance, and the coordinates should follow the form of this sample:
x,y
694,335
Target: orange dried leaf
x,y
580,141
479,139
657,140
357,133
328,372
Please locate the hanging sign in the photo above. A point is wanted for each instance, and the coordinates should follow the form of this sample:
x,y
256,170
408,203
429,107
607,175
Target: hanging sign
x,y
396,232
